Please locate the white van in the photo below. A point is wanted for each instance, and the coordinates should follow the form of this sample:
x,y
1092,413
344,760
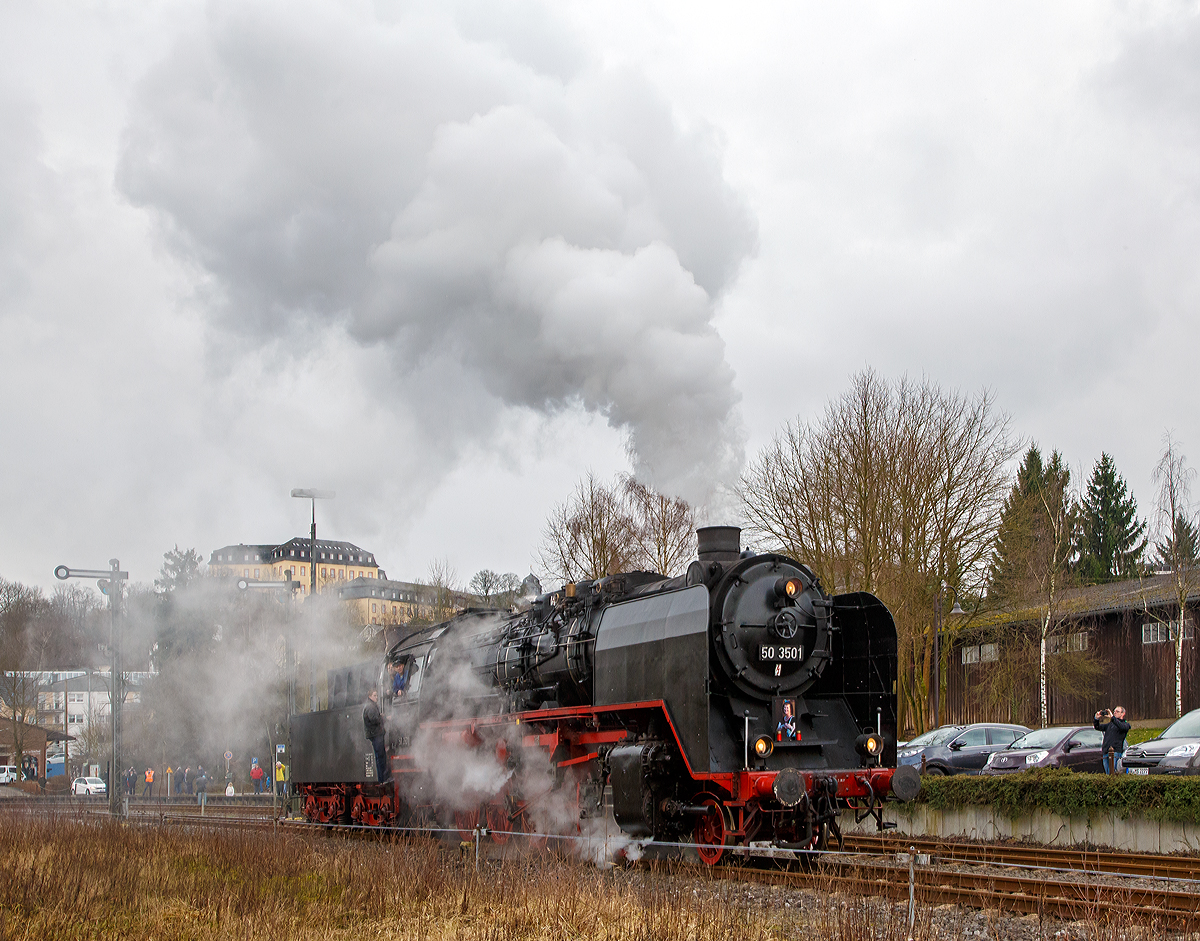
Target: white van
x,y
8,774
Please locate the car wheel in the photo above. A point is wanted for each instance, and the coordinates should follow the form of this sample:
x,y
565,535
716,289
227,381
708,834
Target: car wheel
x,y
935,772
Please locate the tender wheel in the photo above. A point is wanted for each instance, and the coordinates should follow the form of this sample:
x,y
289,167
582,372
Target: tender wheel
x,y
712,830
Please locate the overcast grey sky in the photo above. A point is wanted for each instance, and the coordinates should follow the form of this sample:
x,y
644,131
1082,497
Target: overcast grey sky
x,y
446,258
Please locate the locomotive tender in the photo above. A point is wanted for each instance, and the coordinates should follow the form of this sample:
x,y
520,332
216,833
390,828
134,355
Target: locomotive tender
x,y
735,705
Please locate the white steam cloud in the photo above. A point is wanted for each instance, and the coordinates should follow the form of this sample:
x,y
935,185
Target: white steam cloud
x,y
462,185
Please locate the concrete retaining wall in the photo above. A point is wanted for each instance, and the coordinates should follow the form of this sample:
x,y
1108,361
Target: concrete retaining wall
x,y
1134,834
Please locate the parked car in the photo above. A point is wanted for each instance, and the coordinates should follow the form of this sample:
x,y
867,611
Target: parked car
x,y
9,774
88,786
954,749
1173,752
1066,746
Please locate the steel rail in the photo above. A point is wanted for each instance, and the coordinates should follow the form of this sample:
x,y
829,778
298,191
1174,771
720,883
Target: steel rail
x,y
1107,862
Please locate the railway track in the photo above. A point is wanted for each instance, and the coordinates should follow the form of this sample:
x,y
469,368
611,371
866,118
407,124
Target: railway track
x,y
1078,896
1144,865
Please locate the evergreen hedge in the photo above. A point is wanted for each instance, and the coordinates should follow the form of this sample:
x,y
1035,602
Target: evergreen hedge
x,y
1067,793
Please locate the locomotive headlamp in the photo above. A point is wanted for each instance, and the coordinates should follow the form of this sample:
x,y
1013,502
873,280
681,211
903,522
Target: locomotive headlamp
x,y
763,746
869,744
788,589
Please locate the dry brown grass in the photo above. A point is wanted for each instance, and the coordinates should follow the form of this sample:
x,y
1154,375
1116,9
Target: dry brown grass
x,y
60,879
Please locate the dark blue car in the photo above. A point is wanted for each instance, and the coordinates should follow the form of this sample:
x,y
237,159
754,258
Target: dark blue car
x,y
958,749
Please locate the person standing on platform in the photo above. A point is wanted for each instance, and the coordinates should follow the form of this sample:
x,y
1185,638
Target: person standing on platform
x,y
1112,723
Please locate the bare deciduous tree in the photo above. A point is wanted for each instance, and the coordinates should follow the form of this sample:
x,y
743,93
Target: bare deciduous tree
x,y
1055,514
484,584
1174,479
664,528
895,488
589,535
605,528
442,578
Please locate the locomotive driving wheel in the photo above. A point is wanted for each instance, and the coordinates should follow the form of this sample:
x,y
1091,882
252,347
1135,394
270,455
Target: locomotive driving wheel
x,y
713,829
466,821
498,822
529,825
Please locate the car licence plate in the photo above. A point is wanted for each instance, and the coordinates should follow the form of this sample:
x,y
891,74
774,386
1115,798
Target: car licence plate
x,y
1138,770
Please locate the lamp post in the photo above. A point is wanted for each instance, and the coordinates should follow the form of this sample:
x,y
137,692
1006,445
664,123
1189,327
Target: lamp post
x,y
937,653
109,583
312,495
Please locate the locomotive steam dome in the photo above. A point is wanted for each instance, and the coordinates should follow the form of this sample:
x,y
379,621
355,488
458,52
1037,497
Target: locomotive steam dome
x,y
770,627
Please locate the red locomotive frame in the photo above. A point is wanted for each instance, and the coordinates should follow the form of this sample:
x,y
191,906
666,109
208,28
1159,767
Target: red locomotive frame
x,y
730,808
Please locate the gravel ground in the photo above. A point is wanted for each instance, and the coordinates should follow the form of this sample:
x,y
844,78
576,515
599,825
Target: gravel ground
x,y
832,916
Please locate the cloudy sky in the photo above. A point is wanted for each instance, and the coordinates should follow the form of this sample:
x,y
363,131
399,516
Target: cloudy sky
x,y
445,258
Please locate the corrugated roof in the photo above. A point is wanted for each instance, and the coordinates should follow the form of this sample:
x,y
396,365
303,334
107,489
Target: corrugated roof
x,y
1154,591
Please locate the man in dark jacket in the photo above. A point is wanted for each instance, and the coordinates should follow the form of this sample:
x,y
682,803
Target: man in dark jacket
x,y
1112,723
373,729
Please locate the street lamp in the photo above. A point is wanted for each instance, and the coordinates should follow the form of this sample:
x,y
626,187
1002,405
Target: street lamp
x,y
313,495
109,583
937,653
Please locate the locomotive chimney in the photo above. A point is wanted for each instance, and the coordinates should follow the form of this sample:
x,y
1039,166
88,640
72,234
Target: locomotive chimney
x,y
719,543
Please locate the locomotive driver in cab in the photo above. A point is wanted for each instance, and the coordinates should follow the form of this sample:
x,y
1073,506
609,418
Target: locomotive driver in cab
x,y
373,728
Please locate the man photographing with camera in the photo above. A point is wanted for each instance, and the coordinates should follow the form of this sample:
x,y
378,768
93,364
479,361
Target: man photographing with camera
x,y
1112,723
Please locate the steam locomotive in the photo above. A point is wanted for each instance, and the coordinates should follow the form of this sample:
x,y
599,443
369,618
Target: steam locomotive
x,y
737,705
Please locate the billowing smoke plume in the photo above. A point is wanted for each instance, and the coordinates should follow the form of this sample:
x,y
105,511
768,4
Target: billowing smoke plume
x,y
467,187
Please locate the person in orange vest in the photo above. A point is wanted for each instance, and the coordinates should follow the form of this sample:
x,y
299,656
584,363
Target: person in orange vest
x,y
148,790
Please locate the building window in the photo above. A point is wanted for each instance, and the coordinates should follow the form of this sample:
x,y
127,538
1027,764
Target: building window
x,y
74,697
1071,643
256,573
245,573
372,607
981,653
1158,632
323,572
75,718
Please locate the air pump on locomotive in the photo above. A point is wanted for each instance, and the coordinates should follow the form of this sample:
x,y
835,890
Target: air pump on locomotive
x,y
738,704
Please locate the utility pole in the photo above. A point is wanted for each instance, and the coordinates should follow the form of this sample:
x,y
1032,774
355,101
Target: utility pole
x,y
109,582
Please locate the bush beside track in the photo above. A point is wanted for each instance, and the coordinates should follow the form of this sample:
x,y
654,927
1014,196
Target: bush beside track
x,y
1067,793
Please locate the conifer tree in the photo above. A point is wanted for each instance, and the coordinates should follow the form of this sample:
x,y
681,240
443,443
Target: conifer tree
x,y
1111,537
1182,545
1008,574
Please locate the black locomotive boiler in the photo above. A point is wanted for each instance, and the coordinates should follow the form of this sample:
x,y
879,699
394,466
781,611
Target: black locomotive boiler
x,y
738,704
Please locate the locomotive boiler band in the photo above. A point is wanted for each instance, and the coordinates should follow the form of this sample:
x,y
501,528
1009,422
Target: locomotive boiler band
x,y
736,703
